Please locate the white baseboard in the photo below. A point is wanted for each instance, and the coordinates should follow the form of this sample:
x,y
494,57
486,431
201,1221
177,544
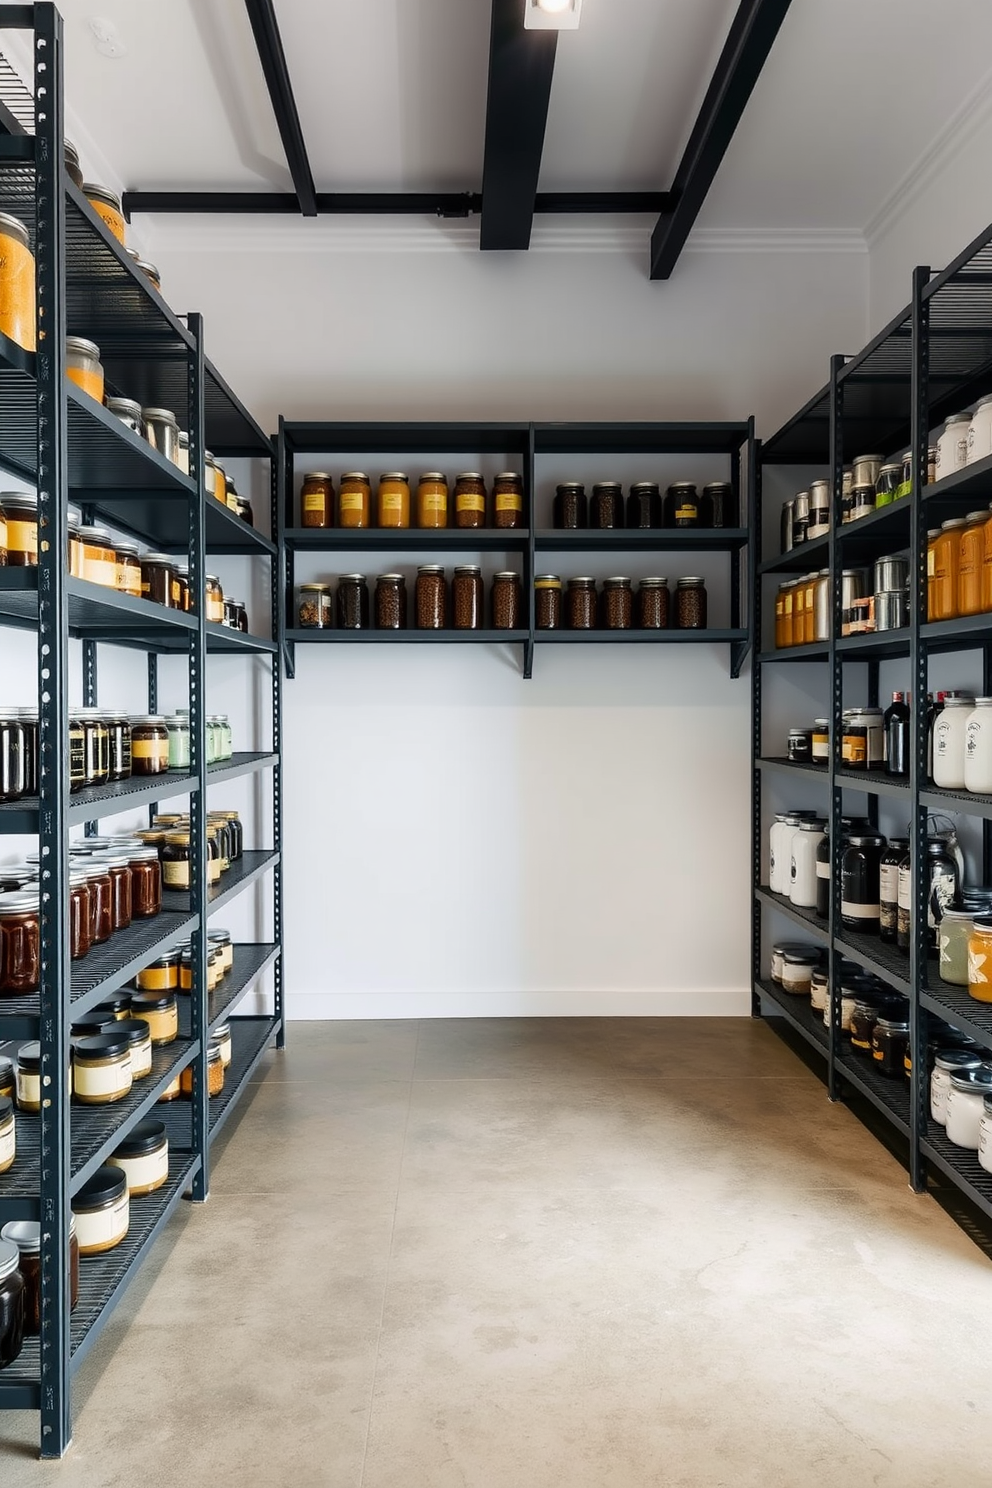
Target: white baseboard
x,y
660,1002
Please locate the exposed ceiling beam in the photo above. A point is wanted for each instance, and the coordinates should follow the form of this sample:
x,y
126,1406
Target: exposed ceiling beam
x,y
521,66
262,16
754,29
384,203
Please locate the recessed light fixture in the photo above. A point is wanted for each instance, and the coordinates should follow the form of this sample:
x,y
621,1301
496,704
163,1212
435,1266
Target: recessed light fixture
x,y
106,37
551,15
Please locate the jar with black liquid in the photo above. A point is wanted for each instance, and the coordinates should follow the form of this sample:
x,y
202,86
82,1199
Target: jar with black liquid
x,y
716,505
860,888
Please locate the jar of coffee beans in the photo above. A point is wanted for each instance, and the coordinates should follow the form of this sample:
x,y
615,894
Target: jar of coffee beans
x,y
467,597
353,602
580,604
470,501
508,499
390,602
653,604
690,604
618,604
547,602
606,506
317,500
431,597
506,601
570,508
316,611
644,504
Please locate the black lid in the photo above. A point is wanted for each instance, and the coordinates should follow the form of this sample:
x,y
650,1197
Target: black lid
x,y
29,1055
102,1046
6,1065
135,1030
106,1185
93,1024
114,1004
145,1137
6,1107
151,1001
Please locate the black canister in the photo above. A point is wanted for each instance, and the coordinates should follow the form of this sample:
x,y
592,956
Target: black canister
x,y
681,505
860,889
800,746
717,507
353,602
893,855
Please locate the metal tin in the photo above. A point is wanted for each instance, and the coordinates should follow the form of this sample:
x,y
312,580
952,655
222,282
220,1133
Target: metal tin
x,y
127,410
865,469
819,509
161,428
822,617
800,518
891,573
788,511
891,609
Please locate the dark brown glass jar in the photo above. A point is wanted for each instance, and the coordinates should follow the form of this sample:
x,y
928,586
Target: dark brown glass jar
x,y
390,602
119,746
26,1235
606,506
80,940
617,604
12,1304
231,613
570,508
431,598
653,604
580,604
681,506
506,598
101,903
159,580
508,500
146,883
690,605
547,602
317,500
467,598
470,500
149,744
29,723
244,510
96,746
120,890
20,944
353,602
644,505
13,765
77,755
176,860
716,506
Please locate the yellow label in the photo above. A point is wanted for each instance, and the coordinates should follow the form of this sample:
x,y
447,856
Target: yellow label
x,y
156,749
547,584
467,501
931,564
101,571
509,501
314,501
435,501
392,501
787,600
175,875
854,751
22,537
353,501
686,511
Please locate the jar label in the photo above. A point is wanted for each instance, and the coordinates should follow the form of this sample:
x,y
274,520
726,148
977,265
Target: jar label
x,y
437,501
105,1228
151,749
823,870
392,501
468,501
686,513
854,751
976,965
859,911
158,978
147,1171
509,501
101,571
101,1082
943,890
175,875
8,1146
314,501
22,537
353,500
141,1060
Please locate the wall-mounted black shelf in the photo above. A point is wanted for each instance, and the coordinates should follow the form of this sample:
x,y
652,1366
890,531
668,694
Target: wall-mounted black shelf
x,y
454,540
798,1014
640,540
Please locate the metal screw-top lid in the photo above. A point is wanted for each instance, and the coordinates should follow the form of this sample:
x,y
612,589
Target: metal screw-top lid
x,y
428,475
360,475
648,486
956,1059
19,903
124,405
691,583
431,568
18,501
315,588
958,418
313,475
570,486
391,578
160,416
585,582
355,578
869,840
468,568
393,475
9,1258
617,582
82,347
654,583
15,227
470,475
506,575
512,475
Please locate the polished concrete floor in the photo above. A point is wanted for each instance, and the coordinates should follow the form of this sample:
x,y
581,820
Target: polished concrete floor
x,y
541,1254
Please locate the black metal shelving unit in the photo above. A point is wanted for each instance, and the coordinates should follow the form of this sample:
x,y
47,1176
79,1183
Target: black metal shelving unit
x,y
525,445
56,438
932,359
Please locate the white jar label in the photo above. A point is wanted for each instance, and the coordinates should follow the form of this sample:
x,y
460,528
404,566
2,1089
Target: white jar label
x,y
105,1227
8,1146
146,1171
103,1081
175,875
977,968
823,870
859,911
28,1088
141,1060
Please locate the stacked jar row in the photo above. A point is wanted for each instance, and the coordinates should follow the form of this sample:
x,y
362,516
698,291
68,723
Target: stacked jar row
x,y
871,600
959,567
432,505
682,506
868,484
579,607
870,739
436,605
873,1017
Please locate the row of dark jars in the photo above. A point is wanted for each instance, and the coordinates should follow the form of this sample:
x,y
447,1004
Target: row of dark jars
x,y
579,606
682,505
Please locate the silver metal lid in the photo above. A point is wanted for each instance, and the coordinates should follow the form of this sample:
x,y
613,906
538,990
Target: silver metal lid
x,y
82,347
124,405
397,475
15,226
470,475
428,475
159,416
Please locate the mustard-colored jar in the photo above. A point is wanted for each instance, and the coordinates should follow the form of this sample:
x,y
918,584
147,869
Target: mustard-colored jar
x,y
17,291
21,510
987,566
432,500
3,538
220,483
160,1011
83,366
980,959
946,569
108,207
971,553
355,500
214,599
75,544
99,557
128,569
394,500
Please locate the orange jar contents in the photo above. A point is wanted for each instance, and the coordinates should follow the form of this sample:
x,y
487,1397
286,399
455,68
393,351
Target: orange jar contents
x,y
788,613
980,959
946,569
21,510
99,557
108,206
971,554
83,367
394,499
16,282
432,500
128,569
987,566
220,483
317,500
355,500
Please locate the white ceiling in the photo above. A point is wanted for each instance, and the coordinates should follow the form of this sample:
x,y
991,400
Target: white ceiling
x,y
392,96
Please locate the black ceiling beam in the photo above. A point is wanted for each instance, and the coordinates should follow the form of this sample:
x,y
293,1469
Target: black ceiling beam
x,y
262,16
367,203
752,33
521,66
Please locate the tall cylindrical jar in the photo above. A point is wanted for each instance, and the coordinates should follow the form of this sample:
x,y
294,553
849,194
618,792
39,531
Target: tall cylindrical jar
x,y
971,553
393,506
860,887
508,500
653,604
355,500
802,885
952,446
950,734
390,602
506,600
946,551
978,748
317,500
470,499
547,602
432,500
467,597
690,604
431,599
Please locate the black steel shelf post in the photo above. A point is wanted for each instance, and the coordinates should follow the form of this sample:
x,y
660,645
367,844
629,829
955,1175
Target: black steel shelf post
x,y
755,517
278,590
198,754
836,712
744,565
530,562
285,571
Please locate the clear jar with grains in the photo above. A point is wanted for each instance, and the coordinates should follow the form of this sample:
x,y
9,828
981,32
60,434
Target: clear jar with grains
x,y
644,505
431,597
107,206
570,509
506,600
547,602
160,428
653,604
467,598
606,506
390,602
316,609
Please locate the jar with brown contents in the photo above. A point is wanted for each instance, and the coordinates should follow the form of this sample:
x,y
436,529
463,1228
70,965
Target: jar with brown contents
x,y
101,903
506,601
146,883
149,744
431,598
653,604
570,509
467,597
690,604
159,580
215,1074
547,602
580,604
470,500
508,500
355,500
353,602
606,505
432,500
20,943
316,611
317,500
618,604
390,602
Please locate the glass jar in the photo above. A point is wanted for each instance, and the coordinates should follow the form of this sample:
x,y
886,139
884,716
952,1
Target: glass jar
x,y
102,565
819,509
823,879
215,1074
20,943
393,505
860,887
888,888
160,1011
950,742
149,744
101,892
431,597
580,604
83,366
467,598
889,1042
80,942
985,1136
25,1234
355,500
8,1079
107,206
118,871
653,604
690,604
470,500
102,1211
96,746
128,411
978,748
28,1093
986,565
316,610
353,602
971,553
213,593
965,1105
101,1069
547,602
176,857
220,940
231,613
179,751
8,1134
17,283
644,505
390,602
13,761
118,746
12,1301
317,500
947,569
681,505
797,971
232,495
432,500
947,1062
146,883
854,746
508,500
21,512
245,511
819,989
952,446
979,958
606,506
143,1157
617,604
139,1042
221,1036
570,508
159,580
506,600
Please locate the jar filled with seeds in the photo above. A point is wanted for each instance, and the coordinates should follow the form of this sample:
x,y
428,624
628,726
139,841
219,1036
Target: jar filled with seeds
x,y
644,504
355,500
390,602
547,602
690,604
467,597
618,604
508,500
432,500
653,604
353,602
315,611
681,506
716,507
431,597
606,506
580,604
317,500
506,601
470,501
570,509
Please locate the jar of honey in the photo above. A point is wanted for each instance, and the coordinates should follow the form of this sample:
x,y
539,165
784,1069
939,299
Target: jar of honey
x,y
83,365
971,555
946,569
393,505
355,500
432,500
106,206
128,568
17,294
99,557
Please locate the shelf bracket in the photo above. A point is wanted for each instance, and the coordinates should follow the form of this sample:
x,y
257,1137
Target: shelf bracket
x,y
739,651
528,660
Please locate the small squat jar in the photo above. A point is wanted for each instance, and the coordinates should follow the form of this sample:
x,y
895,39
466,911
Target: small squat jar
x,y
26,1235
431,597
393,502
797,971
160,1011
947,1062
160,975
215,1074
889,1044
146,883
580,604
317,500
176,857
28,1094
83,366
143,1158
470,499
149,744
102,1211
508,500
99,556
353,602
966,1105
139,1041
467,597
390,602
690,604
160,580
128,568
8,1134
222,1038
355,500
618,604
8,1078
107,206
101,1069
432,500
547,602
178,730
506,600
129,413
316,607
12,1304
653,604
21,512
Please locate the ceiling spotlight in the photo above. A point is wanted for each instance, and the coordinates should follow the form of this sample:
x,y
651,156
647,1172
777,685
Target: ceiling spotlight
x,y
551,15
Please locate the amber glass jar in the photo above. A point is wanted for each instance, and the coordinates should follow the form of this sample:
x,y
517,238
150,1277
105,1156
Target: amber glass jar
x,y
393,501
108,207
390,602
653,604
146,883
215,1074
17,289
971,552
160,975
618,604
467,598
317,500
79,915
75,545
120,890
214,597
986,565
506,601
149,744
21,511
119,746
508,500
128,569
946,569
355,500
159,582
547,602
580,604
26,1235
176,860
606,505
101,902
20,943
431,598
160,1011
690,604
432,500
470,500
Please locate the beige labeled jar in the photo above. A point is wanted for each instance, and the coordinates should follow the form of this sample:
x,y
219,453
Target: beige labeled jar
x,y
139,1040
149,744
103,1211
143,1158
8,1136
160,1011
101,1069
29,1077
